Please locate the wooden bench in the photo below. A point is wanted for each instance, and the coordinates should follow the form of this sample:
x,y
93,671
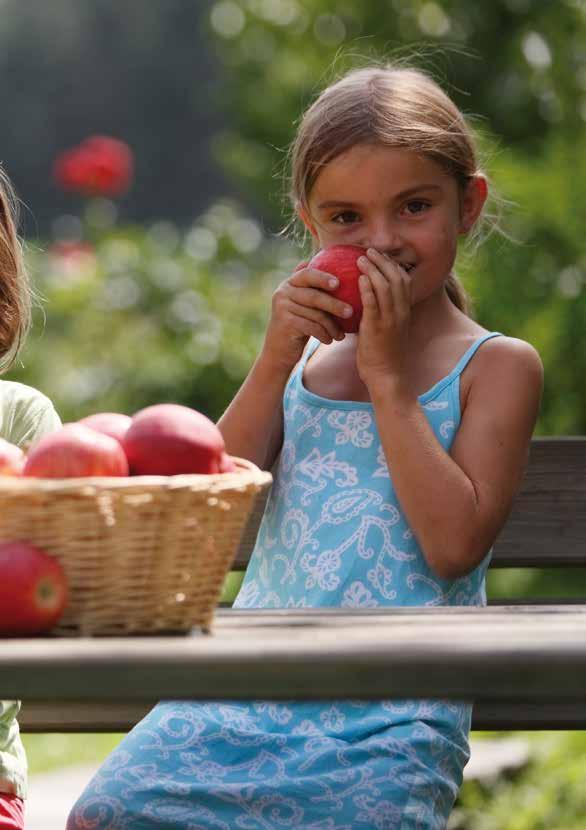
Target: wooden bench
x,y
523,661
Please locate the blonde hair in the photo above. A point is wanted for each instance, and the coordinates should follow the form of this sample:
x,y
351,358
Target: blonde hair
x,y
15,294
394,106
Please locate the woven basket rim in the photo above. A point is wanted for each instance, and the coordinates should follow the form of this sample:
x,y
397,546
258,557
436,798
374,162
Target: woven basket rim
x,y
247,473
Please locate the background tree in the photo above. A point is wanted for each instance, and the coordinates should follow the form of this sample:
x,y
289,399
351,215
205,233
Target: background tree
x,y
517,67
145,75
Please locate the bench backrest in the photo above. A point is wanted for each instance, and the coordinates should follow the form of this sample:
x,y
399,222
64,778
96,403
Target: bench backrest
x,y
547,525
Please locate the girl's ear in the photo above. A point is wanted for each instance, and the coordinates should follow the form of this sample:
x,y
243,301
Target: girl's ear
x,y
306,219
472,202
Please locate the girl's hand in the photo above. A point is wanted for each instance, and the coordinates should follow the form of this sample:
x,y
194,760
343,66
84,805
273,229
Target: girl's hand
x,y
302,308
385,289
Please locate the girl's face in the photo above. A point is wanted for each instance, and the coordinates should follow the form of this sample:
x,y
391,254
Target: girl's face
x,y
401,203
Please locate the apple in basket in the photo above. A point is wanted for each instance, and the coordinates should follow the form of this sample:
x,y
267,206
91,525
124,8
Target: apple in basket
x,y
114,424
169,439
11,459
341,261
75,451
33,589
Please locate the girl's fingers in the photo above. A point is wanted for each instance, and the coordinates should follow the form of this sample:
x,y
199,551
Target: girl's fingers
x,y
306,294
319,299
397,280
400,282
379,285
324,320
303,277
406,285
367,295
310,328
291,312
314,288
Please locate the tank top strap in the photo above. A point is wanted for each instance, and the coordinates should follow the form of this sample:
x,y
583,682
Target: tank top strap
x,y
469,354
310,348
297,373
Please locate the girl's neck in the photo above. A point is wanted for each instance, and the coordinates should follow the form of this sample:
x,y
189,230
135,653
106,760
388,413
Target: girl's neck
x,y
434,317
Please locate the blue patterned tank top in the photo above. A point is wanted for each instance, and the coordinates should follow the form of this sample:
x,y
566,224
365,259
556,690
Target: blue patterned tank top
x,y
333,532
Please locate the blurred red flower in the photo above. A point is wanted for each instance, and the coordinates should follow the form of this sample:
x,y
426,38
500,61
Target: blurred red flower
x,y
99,166
66,249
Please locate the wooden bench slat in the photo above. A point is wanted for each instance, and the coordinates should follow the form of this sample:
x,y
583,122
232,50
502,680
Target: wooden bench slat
x,y
547,525
541,601
531,716
75,716
103,716
468,654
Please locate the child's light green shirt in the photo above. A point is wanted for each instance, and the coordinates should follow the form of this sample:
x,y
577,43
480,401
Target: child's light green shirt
x,y
25,415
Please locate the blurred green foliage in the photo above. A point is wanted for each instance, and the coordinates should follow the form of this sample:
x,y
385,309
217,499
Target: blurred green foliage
x,y
516,67
146,315
548,795
163,313
47,751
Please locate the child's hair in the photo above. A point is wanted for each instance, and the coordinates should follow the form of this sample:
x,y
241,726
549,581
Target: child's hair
x,y
15,295
394,106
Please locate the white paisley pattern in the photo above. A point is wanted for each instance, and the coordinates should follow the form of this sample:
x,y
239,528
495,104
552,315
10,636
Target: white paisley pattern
x,y
333,534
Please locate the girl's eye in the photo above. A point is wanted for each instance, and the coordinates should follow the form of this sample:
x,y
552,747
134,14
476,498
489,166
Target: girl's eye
x,y
416,206
346,217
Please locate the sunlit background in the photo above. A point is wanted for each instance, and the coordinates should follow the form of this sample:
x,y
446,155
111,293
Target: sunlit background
x,y
160,290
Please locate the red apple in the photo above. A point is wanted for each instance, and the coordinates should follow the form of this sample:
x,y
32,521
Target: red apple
x,y
76,451
113,424
168,439
11,459
340,261
33,589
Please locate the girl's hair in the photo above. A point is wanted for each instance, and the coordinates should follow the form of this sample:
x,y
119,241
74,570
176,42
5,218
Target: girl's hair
x,y
394,106
15,295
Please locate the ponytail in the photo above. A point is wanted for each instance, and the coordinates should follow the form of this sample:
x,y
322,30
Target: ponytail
x,y
458,295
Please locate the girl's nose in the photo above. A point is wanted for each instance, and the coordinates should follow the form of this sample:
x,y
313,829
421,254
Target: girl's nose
x,y
384,238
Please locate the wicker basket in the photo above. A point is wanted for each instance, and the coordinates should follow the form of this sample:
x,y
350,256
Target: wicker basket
x,y
142,554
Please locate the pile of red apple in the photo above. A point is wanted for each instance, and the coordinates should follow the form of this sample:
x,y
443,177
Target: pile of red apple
x,y
165,439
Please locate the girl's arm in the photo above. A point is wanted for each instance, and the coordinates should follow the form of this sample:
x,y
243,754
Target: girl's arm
x,y
457,503
252,425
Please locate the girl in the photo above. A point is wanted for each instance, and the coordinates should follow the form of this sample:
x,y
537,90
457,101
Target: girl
x,y
25,415
399,450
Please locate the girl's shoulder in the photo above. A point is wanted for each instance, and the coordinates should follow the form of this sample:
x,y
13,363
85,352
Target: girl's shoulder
x,y
15,394
504,366
25,413
509,354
